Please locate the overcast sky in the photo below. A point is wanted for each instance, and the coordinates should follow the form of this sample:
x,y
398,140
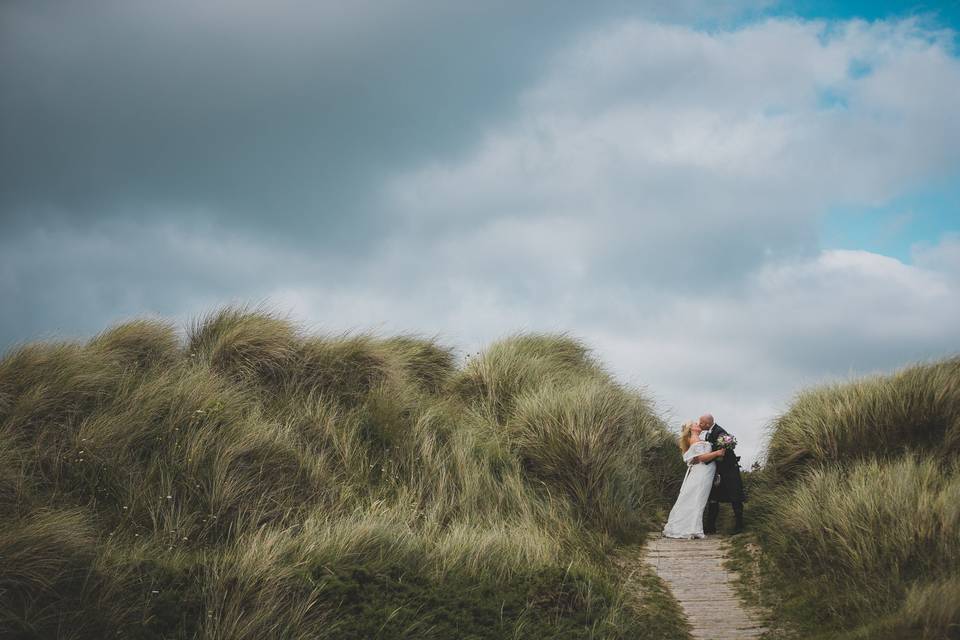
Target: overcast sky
x,y
727,205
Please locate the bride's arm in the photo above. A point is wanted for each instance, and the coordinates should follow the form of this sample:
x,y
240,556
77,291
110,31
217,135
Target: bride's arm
x,y
707,457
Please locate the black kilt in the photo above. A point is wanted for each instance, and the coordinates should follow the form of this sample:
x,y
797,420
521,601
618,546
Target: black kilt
x,y
730,488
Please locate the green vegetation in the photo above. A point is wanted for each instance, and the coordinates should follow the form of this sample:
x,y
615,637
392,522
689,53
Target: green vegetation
x,y
251,481
857,510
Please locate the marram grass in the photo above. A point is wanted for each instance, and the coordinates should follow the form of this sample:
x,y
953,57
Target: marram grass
x,y
857,509
254,481
884,416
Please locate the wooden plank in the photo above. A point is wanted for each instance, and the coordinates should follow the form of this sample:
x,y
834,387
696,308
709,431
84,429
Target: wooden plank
x,y
695,573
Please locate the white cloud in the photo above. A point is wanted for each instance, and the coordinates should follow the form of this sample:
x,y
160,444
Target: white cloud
x,y
943,256
659,132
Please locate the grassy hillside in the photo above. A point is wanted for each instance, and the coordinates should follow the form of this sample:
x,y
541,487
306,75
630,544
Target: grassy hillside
x,y
253,481
859,507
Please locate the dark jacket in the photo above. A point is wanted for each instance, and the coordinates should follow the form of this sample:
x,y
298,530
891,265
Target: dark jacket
x,y
730,488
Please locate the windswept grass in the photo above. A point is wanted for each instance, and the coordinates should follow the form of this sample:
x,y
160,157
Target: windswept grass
x,y
916,409
859,508
593,443
493,380
254,481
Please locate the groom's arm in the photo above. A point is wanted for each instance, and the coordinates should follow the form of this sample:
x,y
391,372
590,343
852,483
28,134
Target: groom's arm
x,y
720,431
715,434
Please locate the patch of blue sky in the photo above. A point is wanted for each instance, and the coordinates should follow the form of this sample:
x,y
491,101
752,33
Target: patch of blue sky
x,y
859,69
921,217
945,12
935,13
831,98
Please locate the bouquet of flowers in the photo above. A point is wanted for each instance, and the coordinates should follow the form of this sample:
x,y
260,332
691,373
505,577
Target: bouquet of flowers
x,y
726,441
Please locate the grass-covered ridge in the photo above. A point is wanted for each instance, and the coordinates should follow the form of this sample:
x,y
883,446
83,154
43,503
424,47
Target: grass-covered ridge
x,y
254,481
858,507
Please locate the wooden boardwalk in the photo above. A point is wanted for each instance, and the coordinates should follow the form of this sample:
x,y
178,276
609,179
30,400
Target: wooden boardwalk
x,y
694,571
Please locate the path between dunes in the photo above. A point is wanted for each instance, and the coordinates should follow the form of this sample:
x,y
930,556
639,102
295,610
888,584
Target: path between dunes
x,y
694,571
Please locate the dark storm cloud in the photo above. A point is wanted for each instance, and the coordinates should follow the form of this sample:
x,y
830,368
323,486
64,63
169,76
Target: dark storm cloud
x,y
275,122
72,283
281,110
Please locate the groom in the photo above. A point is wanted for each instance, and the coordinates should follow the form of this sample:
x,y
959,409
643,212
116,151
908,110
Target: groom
x,y
730,488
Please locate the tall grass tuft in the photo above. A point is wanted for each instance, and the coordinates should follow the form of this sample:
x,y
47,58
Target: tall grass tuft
x,y
590,441
255,481
344,369
494,379
428,364
858,506
47,559
140,343
917,408
243,344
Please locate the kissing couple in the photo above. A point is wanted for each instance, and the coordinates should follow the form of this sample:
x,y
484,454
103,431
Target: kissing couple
x,y
713,476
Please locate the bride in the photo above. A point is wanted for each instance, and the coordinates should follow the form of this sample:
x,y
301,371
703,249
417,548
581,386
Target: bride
x,y
686,517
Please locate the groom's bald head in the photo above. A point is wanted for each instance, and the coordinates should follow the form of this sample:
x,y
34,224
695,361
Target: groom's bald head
x,y
706,421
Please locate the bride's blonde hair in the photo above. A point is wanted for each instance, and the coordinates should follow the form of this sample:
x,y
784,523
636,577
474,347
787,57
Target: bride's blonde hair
x,y
685,432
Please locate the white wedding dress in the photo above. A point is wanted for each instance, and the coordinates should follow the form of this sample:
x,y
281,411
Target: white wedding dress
x,y
686,517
